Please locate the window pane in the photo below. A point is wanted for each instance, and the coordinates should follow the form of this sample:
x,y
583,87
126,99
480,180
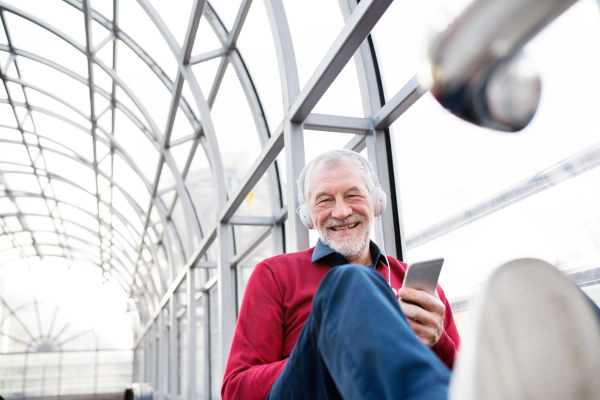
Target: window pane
x,y
446,164
237,137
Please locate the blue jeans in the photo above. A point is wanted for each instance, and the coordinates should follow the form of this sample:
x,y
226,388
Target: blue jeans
x,y
357,344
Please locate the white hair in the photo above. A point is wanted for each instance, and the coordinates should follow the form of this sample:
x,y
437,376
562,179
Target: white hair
x,y
335,157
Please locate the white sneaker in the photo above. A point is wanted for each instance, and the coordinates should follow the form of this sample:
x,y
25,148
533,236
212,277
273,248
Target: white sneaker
x,y
535,336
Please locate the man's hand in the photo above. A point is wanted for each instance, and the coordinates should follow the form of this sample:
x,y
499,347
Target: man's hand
x,y
425,314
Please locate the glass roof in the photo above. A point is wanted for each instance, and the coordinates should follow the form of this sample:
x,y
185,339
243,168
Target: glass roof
x,y
128,127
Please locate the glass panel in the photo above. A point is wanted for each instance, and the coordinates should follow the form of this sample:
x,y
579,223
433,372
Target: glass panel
x,y
136,23
75,230
181,153
205,73
399,38
7,206
10,134
31,205
7,116
256,46
317,142
103,7
202,189
145,85
16,92
206,39
137,145
71,194
182,126
73,213
259,201
73,91
237,137
181,221
28,36
25,183
57,13
128,180
343,96
166,182
227,11
46,238
472,163
103,81
559,225
14,153
72,170
175,17
264,250
313,33
3,38
43,121
175,245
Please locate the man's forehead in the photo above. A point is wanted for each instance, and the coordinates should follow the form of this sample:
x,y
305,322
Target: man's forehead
x,y
324,167
350,171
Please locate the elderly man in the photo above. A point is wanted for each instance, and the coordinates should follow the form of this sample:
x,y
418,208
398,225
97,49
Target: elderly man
x,y
536,336
348,344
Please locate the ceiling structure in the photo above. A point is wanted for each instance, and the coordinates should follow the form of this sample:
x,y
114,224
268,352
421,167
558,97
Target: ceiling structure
x,y
136,140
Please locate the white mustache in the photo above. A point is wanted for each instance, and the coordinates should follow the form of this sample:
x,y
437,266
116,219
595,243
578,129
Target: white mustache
x,y
351,219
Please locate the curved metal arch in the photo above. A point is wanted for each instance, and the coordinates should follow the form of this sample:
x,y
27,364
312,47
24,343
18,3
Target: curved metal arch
x,y
121,152
72,258
121,35
125,88
57,32
65,180
115,79
60,68
86,163
53,175
51,198
60,233
76,238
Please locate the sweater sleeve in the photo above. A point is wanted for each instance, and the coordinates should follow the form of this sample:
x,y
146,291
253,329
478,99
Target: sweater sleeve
x,y
255,358
447,347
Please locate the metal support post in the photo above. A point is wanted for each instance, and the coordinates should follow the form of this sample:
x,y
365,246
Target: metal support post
x,y
225,295
173,344
191,327
162,363
297,233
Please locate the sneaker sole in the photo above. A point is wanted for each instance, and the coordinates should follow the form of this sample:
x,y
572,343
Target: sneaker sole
x,y
535,336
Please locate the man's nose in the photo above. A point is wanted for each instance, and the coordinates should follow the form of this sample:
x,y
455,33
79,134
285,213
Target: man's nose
x,y
341,210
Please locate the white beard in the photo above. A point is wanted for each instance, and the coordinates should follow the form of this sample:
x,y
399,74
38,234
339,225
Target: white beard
x,y
350,247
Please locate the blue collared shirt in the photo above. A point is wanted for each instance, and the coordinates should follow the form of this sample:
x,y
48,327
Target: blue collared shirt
x,y
326,255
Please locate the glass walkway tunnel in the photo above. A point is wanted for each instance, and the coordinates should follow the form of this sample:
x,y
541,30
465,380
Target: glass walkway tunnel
x,y
149,150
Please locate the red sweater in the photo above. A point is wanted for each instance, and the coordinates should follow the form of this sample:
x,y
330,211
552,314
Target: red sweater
x,y
277,302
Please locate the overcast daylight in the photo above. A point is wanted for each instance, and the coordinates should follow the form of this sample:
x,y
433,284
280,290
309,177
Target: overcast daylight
x,y
166,164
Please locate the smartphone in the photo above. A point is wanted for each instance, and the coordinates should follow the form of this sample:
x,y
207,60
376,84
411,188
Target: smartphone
x,y
423,275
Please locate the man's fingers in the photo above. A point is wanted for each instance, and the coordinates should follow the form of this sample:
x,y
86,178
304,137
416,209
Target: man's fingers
x,y
426,334
416,313
423,299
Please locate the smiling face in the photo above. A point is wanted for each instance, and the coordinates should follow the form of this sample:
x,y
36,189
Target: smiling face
x,y
341,206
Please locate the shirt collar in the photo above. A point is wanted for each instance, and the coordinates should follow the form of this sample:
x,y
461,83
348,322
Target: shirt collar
x,y
326,255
